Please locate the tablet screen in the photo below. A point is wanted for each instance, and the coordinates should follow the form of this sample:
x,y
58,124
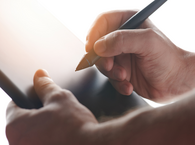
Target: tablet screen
x,y
31,38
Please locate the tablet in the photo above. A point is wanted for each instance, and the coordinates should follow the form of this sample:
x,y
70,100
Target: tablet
x,y
31,38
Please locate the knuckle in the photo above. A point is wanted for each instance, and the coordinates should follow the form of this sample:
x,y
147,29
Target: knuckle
x,y
150,33
59,96
118,40
56,96
151,37
102,19
132,12
67,93
104,15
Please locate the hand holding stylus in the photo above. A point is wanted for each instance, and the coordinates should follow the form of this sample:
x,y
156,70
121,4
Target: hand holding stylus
x,y
132,23
144,59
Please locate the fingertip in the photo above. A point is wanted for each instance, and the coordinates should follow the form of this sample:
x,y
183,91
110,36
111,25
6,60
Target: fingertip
x,y
123,87
105,64
87,46
41,73
126,89
90,40
119,73
100,47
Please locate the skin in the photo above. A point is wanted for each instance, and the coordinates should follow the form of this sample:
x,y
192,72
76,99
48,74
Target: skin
x,y
60,113
154,67
143,60
64,121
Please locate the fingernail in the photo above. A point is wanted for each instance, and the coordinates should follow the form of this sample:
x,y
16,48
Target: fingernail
x,y
100,46
42,73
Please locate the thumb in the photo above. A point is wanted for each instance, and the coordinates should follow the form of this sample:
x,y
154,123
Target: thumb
x,y
125,41
44,86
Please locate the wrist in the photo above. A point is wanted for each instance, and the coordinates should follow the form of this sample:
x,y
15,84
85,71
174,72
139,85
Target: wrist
x,y
124,130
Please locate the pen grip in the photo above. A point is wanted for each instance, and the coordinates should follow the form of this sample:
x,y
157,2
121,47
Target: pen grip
x,y
132,23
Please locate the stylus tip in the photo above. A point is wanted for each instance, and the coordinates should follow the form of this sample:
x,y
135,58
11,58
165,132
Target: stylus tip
x,y
82,65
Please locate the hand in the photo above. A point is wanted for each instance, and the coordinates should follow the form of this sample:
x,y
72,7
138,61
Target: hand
x,y
62,120
143,59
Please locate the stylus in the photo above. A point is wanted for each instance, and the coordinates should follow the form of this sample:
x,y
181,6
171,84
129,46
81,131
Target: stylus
x,y
132,23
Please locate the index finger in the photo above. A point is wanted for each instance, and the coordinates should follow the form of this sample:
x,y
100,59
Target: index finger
x,y
106,23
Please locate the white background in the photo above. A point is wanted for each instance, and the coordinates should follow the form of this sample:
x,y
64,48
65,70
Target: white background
x,y
175,18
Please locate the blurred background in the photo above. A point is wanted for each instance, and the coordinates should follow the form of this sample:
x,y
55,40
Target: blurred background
x,y
174,19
